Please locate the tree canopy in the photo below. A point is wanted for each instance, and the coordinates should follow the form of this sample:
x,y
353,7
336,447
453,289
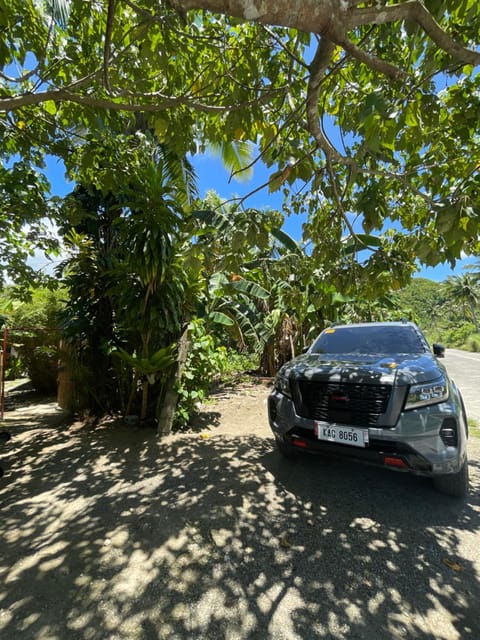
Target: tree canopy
x,y
366,113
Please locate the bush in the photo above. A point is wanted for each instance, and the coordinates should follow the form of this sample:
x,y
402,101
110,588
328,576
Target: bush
x,y
15,368
473,343
43,368
236,363
204,362
458,337
33,329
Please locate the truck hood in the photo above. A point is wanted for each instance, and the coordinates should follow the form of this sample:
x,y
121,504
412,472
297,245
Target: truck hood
x,y
394,369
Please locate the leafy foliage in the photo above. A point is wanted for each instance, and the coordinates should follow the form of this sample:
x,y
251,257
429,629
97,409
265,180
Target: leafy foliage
x,y
422,301
130,294
34,333
446,311
204,362
371,125
465,291
25,210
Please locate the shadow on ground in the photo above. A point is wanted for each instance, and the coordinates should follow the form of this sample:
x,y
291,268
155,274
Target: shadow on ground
x,y
108,533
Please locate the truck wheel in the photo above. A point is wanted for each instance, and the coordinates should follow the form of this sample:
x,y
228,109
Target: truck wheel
x,y
286,449
453,484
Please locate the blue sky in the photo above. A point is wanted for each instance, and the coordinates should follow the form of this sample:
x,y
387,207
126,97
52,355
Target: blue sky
x,y
213,176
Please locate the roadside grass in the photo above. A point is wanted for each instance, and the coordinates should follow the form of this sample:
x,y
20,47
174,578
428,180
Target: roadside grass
x,y
472,343
473,428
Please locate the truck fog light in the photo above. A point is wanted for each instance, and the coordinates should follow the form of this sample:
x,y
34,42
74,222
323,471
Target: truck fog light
x,y
449,432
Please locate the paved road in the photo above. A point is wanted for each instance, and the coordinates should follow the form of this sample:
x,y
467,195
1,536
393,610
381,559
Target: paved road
x,y
464,368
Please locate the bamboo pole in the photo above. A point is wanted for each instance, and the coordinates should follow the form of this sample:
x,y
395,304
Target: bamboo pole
x,y
3,367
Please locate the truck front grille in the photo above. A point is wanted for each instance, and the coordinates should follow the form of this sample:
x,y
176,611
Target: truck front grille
x,y
354,404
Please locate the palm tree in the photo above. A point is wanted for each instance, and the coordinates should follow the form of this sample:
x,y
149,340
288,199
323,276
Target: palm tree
x,y
464,289
474,270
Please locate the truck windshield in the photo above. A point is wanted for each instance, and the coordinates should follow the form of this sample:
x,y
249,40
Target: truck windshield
x,y
365,339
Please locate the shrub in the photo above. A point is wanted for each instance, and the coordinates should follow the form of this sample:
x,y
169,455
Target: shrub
x,y
237,363
33,329
43,368
458,337
473,343
15,367
204,362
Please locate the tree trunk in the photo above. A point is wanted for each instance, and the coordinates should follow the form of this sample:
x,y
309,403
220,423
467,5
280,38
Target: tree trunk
x,y
166,411
474,315
68,395
131,396
143,412
267,360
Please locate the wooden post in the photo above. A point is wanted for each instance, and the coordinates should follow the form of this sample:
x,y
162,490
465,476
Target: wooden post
x,y
166,411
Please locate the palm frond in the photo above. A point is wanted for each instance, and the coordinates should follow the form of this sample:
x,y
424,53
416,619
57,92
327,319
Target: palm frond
x,y
59,10
237,156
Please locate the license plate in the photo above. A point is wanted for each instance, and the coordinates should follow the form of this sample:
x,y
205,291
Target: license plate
x,y
352,436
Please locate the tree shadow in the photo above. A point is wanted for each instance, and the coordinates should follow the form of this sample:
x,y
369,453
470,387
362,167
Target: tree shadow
x,y
205,420
109,533
24,394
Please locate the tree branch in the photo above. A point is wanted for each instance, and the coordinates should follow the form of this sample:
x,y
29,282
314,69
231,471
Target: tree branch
x,y
318,67
321,16
416,12
108,42
65,95
375,63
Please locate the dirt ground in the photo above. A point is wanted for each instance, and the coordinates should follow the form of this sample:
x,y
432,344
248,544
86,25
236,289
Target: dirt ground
x,y
107,533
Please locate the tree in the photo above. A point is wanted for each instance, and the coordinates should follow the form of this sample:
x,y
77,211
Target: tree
x,y
464,290
474,270
25,212
131,295
422,301
274,295
34,332
235,247
341,99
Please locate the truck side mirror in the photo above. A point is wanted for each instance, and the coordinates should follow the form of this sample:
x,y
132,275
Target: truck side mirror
x,y
438,350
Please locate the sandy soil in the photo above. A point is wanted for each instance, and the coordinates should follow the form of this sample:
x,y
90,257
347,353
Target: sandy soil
x,y
237,409
107,533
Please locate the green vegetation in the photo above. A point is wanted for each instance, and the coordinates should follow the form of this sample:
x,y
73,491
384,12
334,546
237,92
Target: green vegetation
x,y
446,311
33,336
474,428
161,287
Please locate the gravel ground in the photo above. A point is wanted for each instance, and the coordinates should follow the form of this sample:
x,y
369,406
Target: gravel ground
x,y
108,533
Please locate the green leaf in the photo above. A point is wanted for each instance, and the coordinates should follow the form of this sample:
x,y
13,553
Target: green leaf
x,y
411,119
389,132
275,181
252,288
287,241
372,137
50,107
161,127
360,242
221,318
338,298
236,156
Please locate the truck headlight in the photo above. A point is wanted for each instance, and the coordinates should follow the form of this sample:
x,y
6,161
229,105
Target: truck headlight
x,y
421,395
282,384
